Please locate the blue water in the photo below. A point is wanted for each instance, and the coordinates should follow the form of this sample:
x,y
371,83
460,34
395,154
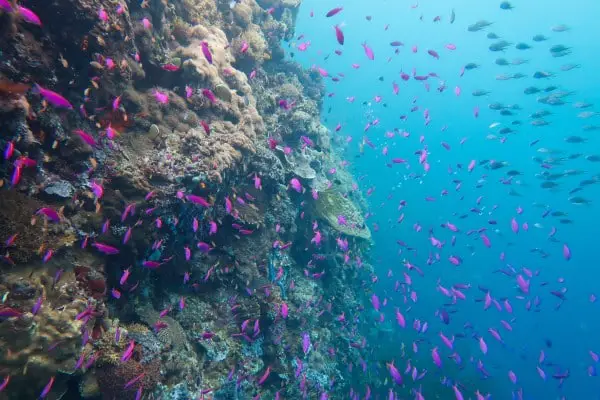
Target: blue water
x,y
573,328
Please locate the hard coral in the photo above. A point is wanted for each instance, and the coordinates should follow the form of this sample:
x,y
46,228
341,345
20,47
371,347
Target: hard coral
x,y
16,212
332,204
36,347
257,46
172,336
113,377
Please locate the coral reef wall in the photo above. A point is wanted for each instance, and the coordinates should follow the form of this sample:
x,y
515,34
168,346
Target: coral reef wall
x,y
174,220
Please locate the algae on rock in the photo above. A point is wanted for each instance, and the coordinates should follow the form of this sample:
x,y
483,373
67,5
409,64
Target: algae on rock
x,y
332,204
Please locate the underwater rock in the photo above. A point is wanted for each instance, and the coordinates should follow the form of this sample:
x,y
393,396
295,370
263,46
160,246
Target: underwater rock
x,y
62,189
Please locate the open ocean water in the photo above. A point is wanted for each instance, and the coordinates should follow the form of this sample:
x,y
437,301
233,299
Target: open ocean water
x,y
462,179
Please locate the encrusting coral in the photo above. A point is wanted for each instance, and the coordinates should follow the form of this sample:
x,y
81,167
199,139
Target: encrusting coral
x,y
331,205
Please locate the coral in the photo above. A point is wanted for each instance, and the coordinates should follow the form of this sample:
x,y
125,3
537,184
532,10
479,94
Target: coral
x,y
171,336
16,213
180,391
242,14
88,387
200,11
301,165
300,121
12,97
332,204
266,165
36,347
257,46
113,377
290,91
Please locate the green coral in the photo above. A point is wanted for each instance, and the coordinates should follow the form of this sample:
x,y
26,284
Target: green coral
x,y
332,204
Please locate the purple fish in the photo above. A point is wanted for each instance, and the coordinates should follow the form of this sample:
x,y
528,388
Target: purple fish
x,y
128,351
396,376
47,388
106,249
209,95
206,52
566,252
5,5
375,302
8,312
52,97
305,342
51,214
36,307
32,18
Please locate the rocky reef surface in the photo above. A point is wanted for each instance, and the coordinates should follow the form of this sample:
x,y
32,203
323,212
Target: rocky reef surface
x,y
174,220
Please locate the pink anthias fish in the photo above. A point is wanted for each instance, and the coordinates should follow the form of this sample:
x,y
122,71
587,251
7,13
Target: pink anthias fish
x,y
189,92
192,198
209,95
86,137
303,46
52,97
47,388
395,374
306,345
98,190
333,12
106,249
368,51
6,6
29,16
566,252
296,185
161,97
339,35
128,351
433,54
51,214
206,52
102,15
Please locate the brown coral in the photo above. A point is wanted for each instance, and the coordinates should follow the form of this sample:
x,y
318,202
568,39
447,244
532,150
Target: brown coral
x,y
113,377
36,347
171,336
16,212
